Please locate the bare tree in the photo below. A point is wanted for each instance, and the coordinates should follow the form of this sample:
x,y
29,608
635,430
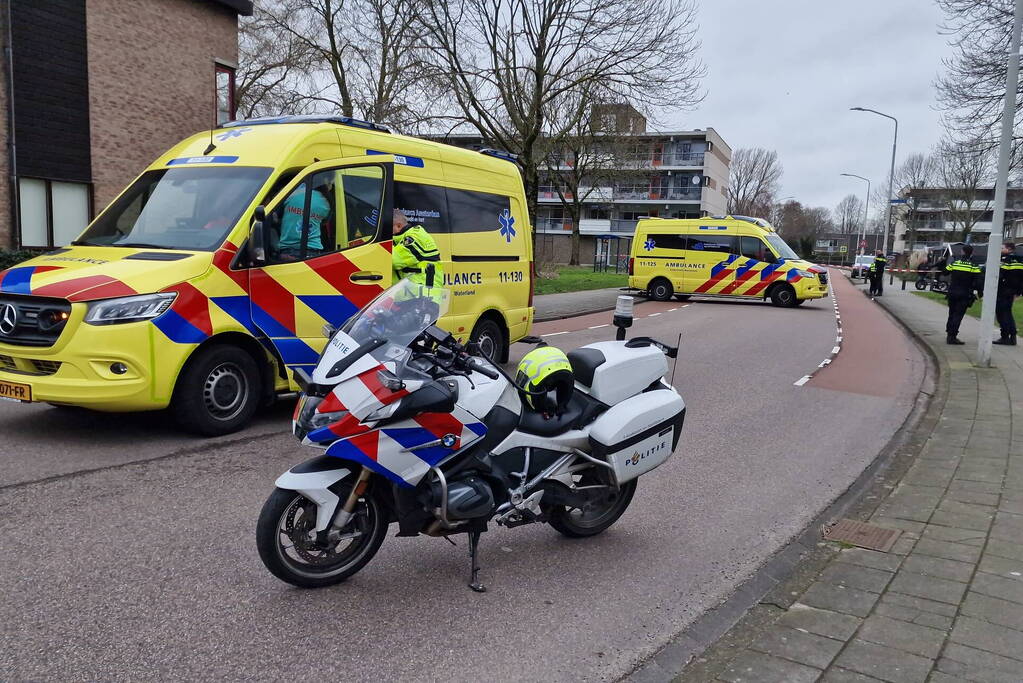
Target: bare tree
x,y
510,63
357,58
588,161
800,225
964,169
916,172
849,214
753,181
973,86
272,68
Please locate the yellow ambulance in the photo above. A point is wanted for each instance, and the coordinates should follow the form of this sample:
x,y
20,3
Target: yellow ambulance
x,y
214,273
720,256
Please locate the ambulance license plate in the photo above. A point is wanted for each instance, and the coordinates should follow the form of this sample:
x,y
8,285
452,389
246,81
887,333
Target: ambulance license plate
x,y
13,391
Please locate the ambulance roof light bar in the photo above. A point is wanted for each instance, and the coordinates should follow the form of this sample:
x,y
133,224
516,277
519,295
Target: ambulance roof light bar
x,y
309,118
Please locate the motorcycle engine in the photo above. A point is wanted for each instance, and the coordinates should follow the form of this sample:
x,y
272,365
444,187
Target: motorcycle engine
x,y
469,497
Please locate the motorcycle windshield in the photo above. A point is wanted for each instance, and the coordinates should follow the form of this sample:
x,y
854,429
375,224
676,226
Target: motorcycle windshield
x,y
397,317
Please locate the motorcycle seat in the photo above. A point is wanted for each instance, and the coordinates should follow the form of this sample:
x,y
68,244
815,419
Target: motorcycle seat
x,y
581,410
584,363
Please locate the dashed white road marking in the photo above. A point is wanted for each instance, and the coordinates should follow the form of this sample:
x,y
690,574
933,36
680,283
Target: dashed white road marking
x,y
553,334
838,342
597,327
653,315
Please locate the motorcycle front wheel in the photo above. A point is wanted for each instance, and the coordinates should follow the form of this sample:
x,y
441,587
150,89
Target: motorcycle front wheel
x,y
596,518
921,285
282,537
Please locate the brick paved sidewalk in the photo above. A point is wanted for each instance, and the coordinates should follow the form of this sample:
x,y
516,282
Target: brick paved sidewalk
x,y
946,604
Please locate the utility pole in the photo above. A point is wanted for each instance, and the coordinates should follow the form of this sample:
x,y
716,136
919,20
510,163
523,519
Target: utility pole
x,y
993,262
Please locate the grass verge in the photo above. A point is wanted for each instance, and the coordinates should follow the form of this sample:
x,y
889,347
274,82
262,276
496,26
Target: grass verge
x,y
974,310
579,278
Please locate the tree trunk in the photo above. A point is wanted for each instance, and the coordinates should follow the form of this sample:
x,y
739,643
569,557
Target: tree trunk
x,y
531,185
576,213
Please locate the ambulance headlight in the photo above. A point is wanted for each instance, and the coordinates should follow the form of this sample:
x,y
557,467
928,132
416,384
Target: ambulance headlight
x,y
806,273
128,309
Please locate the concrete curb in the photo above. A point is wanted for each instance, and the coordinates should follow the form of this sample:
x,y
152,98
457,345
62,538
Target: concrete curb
x,y
589,311
670,662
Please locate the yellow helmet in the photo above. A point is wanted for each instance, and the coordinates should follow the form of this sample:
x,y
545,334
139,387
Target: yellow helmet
x,y
546,375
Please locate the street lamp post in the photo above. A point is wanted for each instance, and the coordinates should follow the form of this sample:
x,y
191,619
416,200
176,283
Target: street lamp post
x,y
861,240
891,173
987,313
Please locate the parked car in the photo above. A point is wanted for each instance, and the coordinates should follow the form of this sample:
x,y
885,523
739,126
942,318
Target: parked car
x,y
861,265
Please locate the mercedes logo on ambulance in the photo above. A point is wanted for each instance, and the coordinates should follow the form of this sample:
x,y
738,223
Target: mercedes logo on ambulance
x,y
8,319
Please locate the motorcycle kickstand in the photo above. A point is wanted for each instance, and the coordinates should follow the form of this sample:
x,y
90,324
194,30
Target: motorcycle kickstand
x,y
474,566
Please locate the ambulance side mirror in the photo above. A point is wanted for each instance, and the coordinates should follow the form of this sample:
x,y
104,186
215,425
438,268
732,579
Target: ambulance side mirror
x,y
257,237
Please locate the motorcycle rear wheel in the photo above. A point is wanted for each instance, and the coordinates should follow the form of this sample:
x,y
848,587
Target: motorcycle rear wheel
x,y
280,537
576,523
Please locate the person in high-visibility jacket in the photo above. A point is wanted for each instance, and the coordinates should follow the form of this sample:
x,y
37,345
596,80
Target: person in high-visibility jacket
x,y
415,254
1010,284
876,274
964,278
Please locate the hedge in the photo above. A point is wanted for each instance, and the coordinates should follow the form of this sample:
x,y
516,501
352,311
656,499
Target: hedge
x,y
11,258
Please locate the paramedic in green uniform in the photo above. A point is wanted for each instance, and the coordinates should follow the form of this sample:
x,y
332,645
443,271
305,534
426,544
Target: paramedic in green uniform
x,y
289,247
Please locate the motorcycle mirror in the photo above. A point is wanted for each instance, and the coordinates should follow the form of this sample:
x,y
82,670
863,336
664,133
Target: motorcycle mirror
x,y
257,245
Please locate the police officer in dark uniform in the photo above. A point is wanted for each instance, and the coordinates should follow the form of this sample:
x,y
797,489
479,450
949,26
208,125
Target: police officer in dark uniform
x,y
1010,283
877,274
964,278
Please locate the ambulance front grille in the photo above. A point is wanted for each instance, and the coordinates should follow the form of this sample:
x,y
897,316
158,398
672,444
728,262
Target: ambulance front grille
x,y
34,366
33,318
46,367
823,277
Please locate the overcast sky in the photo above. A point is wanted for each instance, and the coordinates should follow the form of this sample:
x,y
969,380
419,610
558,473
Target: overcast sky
x,y
782,75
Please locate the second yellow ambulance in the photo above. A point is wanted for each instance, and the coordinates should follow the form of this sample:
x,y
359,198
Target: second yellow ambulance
x,y
721,256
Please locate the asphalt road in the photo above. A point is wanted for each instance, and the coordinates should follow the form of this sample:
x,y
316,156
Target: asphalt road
x,y
145,566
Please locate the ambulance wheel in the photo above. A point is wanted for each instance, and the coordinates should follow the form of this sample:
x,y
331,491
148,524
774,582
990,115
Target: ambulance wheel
x,y
683,297
784,296
217,392
580,523
660,289
488,336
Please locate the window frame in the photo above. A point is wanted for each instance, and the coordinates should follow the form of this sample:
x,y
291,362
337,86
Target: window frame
x,y
383,231
232,99
48,184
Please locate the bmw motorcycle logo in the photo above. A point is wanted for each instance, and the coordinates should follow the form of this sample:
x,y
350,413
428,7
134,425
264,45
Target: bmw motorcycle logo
x,y
449,440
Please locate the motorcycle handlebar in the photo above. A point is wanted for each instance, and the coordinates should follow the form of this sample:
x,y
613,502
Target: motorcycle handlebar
x,y
482,369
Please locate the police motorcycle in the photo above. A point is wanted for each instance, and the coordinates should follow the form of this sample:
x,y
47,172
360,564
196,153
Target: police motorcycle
x,y
416,430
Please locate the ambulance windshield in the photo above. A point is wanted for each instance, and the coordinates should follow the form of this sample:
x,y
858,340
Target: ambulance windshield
x,y
778,244
177,208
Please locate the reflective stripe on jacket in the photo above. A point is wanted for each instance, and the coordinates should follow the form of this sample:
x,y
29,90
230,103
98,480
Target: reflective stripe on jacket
x,y
415,255
1010,276
964,279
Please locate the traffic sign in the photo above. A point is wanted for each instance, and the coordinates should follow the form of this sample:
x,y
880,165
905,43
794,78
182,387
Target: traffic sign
x,y
863,244
843,249
900,201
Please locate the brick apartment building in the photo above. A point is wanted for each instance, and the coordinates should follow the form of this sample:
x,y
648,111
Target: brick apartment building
x,y
667,174
91,91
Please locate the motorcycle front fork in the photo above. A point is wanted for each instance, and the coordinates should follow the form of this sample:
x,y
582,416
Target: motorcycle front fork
x,y
344,515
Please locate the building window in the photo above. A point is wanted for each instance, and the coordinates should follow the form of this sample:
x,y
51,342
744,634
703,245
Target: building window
x,y
52,213
226,106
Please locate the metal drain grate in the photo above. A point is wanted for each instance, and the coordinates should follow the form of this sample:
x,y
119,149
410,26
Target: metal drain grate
x,y
863,535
